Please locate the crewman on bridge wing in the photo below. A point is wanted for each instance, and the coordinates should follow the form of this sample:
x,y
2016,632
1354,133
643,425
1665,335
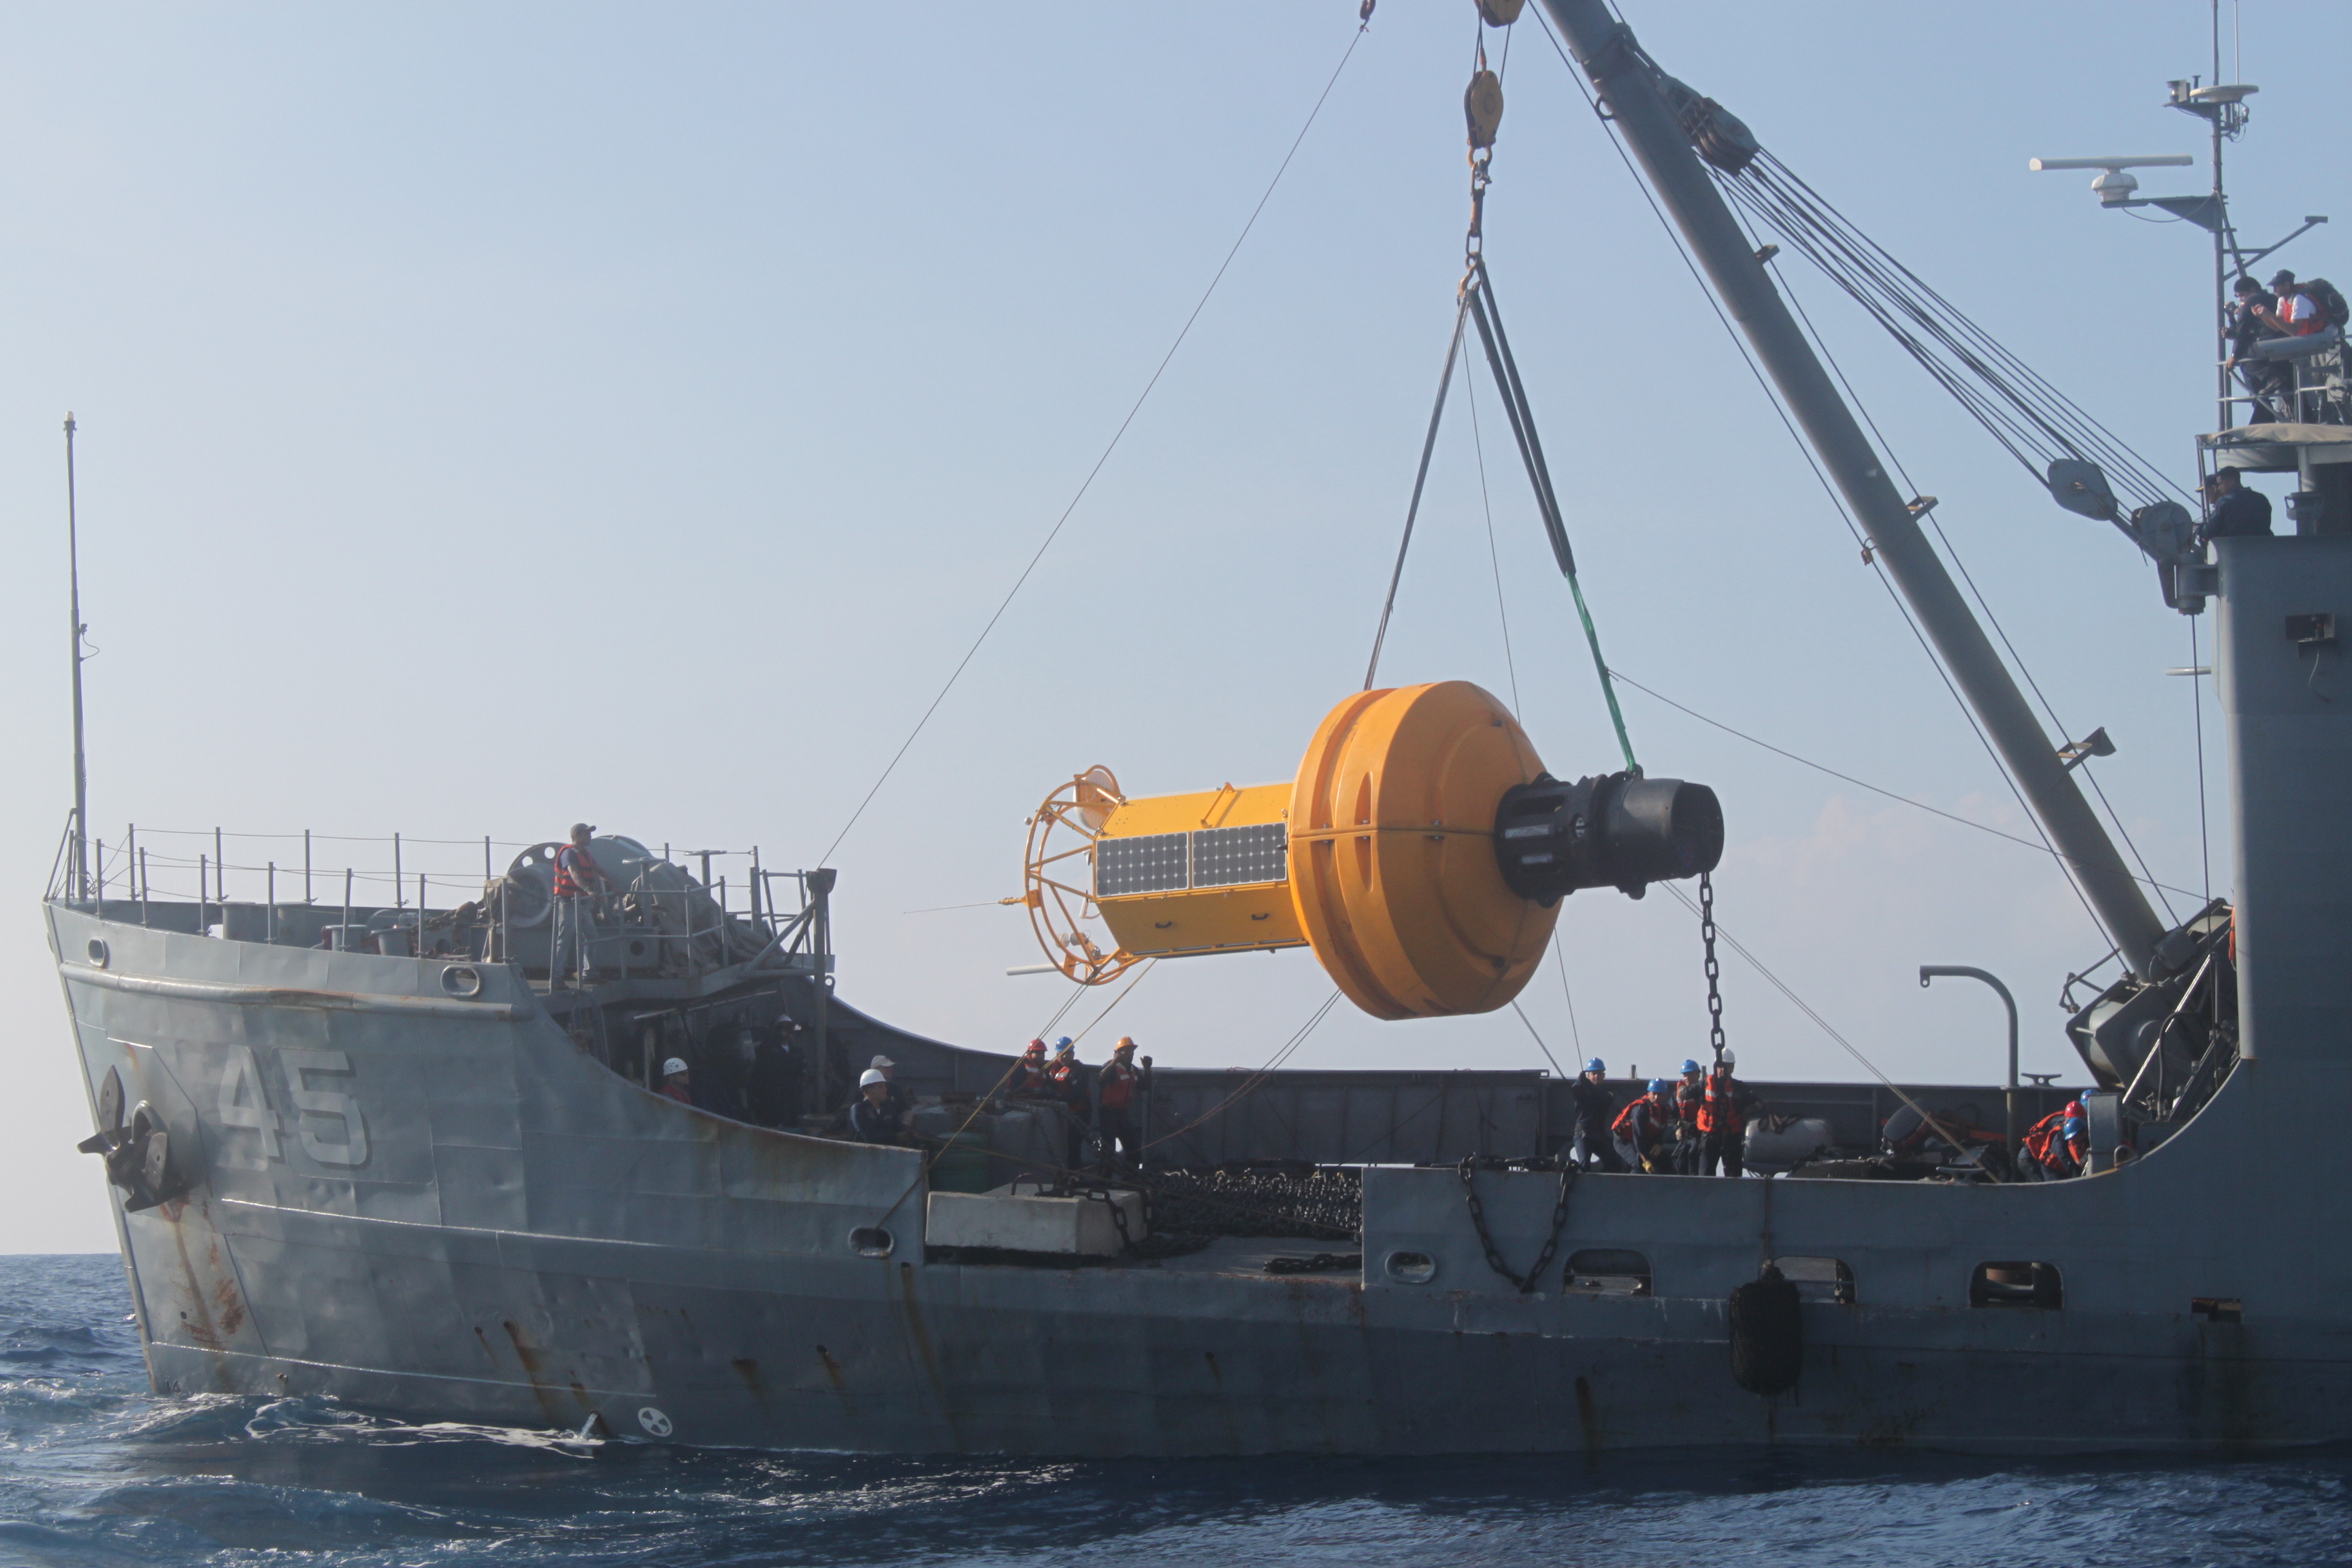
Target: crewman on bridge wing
x,y
2231,508
1645,1131
1723,1119
1117,1093
1595,1108
1690,1092
2059,1145
674,1081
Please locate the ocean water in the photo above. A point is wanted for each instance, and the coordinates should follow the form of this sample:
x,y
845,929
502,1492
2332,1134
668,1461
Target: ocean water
x,y
96,1471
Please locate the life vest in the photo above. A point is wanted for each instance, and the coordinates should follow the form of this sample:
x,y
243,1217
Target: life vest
x,y
1720,1112
2044,1141
568,886
1688,1097
1031,1078
1117,1085
1642,1123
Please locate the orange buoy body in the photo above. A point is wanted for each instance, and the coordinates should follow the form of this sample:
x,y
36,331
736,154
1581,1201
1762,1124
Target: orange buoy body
x,y
1392,865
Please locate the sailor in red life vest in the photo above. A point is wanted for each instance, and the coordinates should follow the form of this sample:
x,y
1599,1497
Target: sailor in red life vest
x,y
2058,1145
1118,1090
576,875
1723,1119
1642,1130
1690,1091
674,1081
1030,1078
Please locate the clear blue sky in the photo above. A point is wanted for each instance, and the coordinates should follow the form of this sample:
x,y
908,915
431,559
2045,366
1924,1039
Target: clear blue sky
x,y
497,415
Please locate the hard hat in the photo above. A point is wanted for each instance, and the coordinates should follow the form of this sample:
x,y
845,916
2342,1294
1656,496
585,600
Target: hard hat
x,y
673,1066
2075,1108
1125,1043
1730,1057
1036,1047
881,1062
872,1077
1659,1086
1066,1044
1690,1065
1596,1065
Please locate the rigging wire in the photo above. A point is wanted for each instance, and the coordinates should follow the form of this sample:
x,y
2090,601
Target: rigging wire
x,y
1806,1008
1494,558
1837,502
1848,778
1953,554
1539,1040
1116,435
1420,479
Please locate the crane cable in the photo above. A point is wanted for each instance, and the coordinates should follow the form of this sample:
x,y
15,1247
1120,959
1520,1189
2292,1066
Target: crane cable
x,y
1476,301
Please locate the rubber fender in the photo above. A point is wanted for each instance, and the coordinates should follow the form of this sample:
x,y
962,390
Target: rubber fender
x,y
1768,1333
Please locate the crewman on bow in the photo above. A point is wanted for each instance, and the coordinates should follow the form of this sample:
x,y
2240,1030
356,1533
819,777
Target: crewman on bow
x,y
1030,1078
1644,1131
1074,1086
871,1119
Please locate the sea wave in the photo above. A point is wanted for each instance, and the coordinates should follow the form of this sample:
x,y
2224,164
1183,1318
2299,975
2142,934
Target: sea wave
x,y
95,1471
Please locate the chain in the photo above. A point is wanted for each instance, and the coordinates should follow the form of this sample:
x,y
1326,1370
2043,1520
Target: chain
x,y
1714,969
1109,1200
1525,1283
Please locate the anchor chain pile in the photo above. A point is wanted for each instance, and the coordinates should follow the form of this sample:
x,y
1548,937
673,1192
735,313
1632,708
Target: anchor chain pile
x,y
1317,1204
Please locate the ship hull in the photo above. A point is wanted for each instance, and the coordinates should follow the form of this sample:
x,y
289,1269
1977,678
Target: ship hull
x,y
457,1214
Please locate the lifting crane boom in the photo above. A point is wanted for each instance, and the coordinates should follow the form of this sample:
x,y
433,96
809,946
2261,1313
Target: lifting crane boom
x,y
1634,93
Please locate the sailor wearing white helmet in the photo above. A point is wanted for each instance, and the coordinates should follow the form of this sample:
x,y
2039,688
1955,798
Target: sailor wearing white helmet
x,y
674,1081
872,1119
900,1101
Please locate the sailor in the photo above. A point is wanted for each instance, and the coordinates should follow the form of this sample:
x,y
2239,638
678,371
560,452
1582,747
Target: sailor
x,y
1644,1131
871,1118
2232,510
1118,1089
1031,1079
771,1090
1073,1086
674,1082
1690,1091
1723,1119
900,1101
2297,314
2058,1145
2271,381
577,879
1595,1108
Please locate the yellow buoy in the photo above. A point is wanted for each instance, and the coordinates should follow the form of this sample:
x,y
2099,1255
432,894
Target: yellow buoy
x,y
1421,851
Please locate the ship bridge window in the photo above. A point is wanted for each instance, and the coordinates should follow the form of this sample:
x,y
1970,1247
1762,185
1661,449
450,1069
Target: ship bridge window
x,y
1607,1271
2017,1285
1817,1279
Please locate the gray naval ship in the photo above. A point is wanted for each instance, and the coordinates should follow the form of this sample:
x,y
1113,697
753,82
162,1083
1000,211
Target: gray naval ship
x,y
396,1157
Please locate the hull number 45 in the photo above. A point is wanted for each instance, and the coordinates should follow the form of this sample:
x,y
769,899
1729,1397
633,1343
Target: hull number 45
x,y
321,1110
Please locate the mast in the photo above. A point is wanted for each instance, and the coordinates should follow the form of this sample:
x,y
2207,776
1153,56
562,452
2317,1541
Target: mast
x,y
1628,80
77,873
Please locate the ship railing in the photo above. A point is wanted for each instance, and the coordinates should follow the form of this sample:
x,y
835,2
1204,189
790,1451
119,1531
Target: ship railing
x,y
147,884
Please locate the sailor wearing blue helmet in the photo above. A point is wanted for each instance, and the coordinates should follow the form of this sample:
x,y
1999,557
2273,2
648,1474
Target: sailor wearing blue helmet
x,y
1596,1108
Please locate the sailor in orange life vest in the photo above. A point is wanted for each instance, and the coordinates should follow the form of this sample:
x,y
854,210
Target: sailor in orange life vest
x,y
1118,1087
577,876
1723,1119
674,1081
1641,1131
1690,1092
2058,1146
